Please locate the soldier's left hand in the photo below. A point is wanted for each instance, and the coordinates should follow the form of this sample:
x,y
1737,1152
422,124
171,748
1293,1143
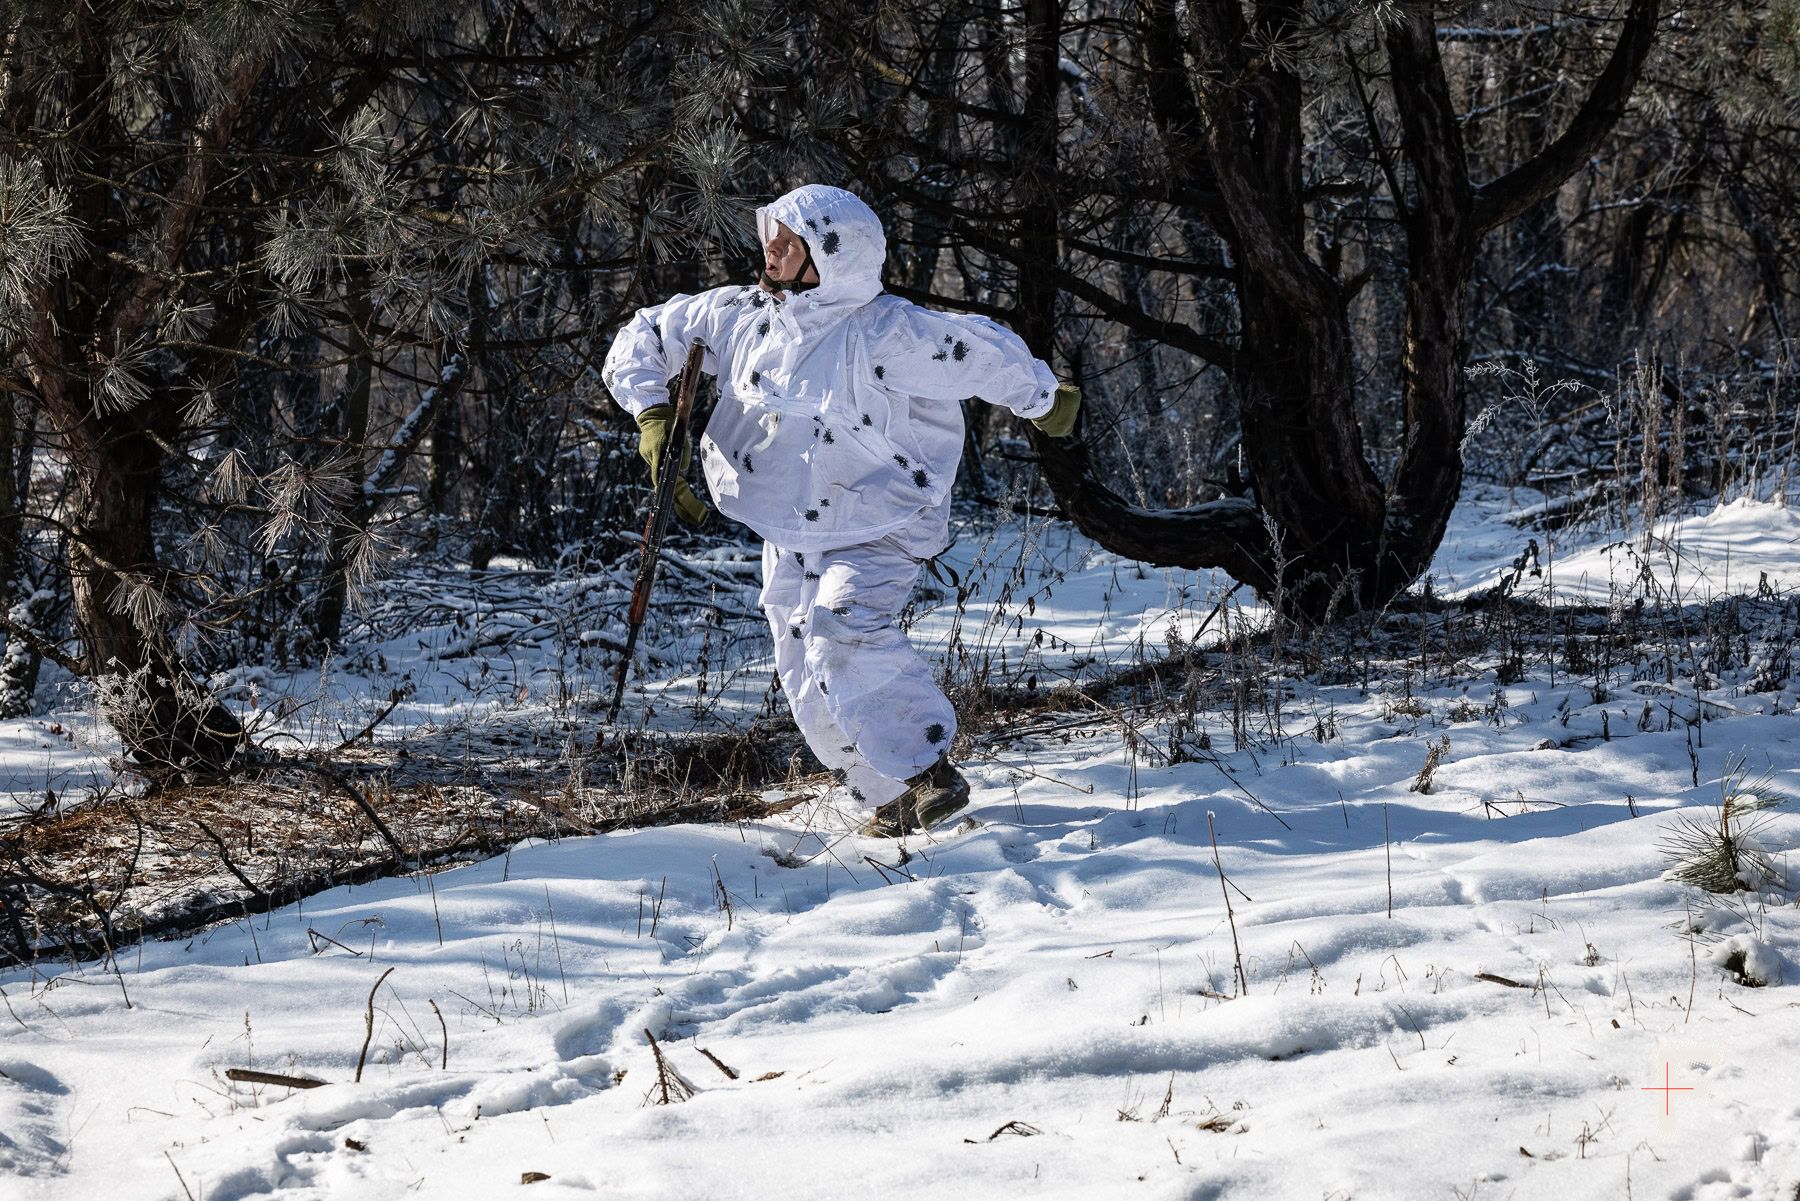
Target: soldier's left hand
x,y
1060,420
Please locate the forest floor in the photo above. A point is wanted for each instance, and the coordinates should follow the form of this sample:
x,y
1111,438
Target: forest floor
x,y
1393,920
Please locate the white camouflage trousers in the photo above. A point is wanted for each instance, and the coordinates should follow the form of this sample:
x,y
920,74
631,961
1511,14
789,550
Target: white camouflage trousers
x,y
859,692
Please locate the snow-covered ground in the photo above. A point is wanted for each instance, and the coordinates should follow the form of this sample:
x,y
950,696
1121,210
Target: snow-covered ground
x,y
1487,989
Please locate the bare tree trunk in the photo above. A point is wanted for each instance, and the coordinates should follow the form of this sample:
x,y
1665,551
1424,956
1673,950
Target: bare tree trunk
x,y
166,718
497,522
353,431
19,670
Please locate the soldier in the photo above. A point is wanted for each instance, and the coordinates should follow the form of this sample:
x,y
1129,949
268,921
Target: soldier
x,y
836,438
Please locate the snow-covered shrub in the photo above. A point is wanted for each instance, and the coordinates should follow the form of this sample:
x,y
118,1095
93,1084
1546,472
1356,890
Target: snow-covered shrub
x,y
1754,962
19,669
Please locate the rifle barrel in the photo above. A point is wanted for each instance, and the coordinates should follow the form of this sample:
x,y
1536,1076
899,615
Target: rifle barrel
x,y
657,523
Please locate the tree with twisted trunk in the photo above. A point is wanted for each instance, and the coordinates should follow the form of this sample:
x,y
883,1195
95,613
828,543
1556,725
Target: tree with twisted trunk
x,y
1207,116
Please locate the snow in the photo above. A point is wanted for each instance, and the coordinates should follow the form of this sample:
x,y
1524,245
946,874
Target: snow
x,y
1739,547
1042,1004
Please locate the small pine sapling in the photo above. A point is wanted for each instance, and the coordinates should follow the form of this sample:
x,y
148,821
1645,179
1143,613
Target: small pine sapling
x,y
1722,853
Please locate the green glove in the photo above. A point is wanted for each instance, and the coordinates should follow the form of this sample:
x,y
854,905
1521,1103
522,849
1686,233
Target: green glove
x,y
1060,420
653,435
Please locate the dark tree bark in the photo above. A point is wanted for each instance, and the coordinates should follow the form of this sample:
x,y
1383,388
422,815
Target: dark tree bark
x,y
352,413
117,446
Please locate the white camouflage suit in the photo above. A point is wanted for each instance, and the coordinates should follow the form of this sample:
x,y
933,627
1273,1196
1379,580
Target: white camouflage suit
x,y
836,438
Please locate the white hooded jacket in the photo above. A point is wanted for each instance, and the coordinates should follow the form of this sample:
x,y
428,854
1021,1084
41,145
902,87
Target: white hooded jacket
x,y
839,416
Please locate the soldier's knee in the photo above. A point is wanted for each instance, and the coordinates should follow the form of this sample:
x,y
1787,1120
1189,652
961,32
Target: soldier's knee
x,y
848,623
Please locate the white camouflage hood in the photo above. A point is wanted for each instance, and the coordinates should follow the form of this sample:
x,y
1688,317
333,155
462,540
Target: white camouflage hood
x,y
848,250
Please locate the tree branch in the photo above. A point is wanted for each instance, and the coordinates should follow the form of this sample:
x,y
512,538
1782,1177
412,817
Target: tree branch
x,y
1503,199
44,647
176,224
417,424
1228,533
1169,333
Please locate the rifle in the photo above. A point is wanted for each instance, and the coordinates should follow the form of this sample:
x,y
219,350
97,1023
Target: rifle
x,y
658,522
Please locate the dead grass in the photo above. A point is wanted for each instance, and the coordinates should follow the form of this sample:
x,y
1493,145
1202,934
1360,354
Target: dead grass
x,y
116,868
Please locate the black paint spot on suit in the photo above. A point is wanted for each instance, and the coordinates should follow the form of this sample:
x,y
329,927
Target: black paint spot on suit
x,y
857,793
748,466
758,299
794,631
903,460
762,330
868,420
824,503
920,479
841,610
880,371
828,438
811,224
934,733
800,558
755,378
940,356
826,219
812,575
812,514
960,351
824,690
830,244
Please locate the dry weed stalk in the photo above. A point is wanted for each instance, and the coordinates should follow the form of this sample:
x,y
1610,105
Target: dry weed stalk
x,y
1435,750
369,1026
670,1086
1243,978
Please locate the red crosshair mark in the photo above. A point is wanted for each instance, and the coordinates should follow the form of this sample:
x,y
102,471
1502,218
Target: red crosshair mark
x,y
1665,1088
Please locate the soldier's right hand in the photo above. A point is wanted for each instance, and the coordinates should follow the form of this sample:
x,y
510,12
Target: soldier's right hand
x,y
653,435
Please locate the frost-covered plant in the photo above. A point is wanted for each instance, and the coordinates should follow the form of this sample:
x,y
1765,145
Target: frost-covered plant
x,y
1724,853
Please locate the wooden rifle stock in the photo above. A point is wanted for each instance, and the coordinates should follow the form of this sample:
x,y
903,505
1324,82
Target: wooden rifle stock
x,y
657,524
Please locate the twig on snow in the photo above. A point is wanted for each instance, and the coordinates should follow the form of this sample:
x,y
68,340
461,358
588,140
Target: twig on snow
x,y
252,1076
369,1026
730,1073
395,696
1237,954
1022,1129
225,858
178,1176
445,1065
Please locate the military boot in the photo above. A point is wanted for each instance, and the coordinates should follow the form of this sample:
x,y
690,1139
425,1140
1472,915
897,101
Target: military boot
x,y
930,797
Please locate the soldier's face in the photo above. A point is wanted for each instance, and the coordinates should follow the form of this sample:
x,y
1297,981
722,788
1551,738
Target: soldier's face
x,y
783,256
